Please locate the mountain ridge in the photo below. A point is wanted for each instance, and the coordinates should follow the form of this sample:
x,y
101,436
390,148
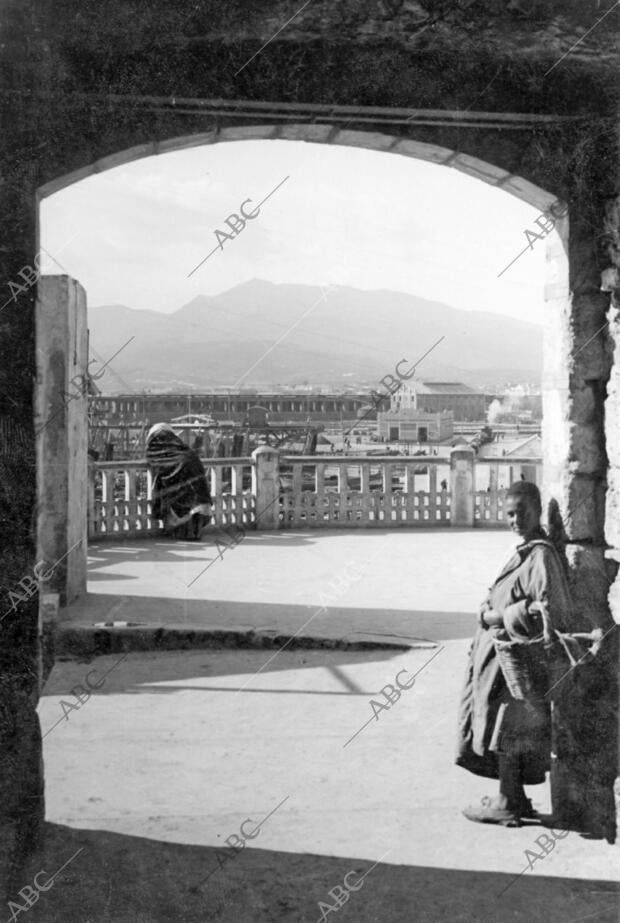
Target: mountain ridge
x,y
260,333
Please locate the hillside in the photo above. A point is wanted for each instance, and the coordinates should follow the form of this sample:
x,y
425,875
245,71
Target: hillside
x,y
264,334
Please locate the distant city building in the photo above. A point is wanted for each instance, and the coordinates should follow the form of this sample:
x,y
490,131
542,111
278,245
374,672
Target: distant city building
x,y
282,407
410,425
289,406
522,448
466,403
256,417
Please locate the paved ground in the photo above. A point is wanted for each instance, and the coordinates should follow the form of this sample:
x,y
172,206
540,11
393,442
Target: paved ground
x,y
165,762
174,751
421,583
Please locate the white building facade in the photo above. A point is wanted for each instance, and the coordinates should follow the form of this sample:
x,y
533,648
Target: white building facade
x,y
405,422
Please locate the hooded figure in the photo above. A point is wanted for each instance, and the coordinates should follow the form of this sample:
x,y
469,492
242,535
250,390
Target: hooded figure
x,y
181,495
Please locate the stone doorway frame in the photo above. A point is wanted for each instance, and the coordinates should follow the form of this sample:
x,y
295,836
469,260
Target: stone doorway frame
x,y
576,469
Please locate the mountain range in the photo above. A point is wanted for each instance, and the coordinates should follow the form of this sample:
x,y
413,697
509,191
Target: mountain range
x,y
263,334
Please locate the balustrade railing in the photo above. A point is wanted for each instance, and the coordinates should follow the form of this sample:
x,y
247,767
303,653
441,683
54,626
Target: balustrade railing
x,y
498,474
358,491
120,497
355,491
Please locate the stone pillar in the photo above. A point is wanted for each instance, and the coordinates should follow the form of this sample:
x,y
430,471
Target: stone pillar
x,y
90,514
22,807
266,486
462,487
61,430
610,282
577,370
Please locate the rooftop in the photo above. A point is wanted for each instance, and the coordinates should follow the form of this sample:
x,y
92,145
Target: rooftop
x,y
446,387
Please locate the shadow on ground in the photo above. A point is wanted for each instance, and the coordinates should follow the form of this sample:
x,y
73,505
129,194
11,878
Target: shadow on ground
x,y
124,879
214,542
137,548
345,623
145,671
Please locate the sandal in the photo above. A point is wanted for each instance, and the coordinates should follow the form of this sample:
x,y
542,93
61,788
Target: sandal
x,y
491,812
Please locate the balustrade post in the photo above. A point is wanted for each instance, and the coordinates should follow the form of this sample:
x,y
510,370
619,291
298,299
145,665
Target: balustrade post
x,y
266,486
462,487
91,501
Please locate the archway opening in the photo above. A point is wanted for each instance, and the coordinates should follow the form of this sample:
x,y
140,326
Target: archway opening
x,y
335,233
402,233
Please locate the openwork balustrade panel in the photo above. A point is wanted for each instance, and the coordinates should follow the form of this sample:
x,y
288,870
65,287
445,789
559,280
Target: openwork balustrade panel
x,y
363,494
497,474
311,492
120,497
489,507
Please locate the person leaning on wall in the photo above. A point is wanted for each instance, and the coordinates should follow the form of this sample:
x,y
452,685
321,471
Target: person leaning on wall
x,y
499,736
181,495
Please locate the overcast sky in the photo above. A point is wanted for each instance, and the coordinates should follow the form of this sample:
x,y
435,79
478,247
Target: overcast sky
x,y
344,216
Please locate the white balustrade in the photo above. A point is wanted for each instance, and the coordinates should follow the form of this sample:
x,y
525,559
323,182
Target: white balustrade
x,y
362,492
498,473
271,491
120,497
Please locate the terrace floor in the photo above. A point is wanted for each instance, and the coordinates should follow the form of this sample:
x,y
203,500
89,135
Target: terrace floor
x,y
414,583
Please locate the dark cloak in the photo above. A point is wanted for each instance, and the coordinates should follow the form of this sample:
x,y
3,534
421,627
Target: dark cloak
x,y
490,720
179,479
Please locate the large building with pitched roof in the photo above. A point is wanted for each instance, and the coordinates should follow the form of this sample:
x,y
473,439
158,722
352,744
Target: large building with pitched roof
x,y
466,403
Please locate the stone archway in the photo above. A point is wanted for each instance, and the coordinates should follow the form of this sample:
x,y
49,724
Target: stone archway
x,y
490,82
576,374
575,462
322,134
